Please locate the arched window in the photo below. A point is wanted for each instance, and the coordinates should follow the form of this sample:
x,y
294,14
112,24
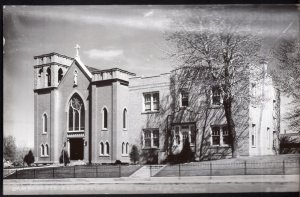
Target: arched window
x,y
123,148
45,119
40,72
48,77
107,148
124,118
127,147
60,75
76,114
101,148
104,120
42,150
46,150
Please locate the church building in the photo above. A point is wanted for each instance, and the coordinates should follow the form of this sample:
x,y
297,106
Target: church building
x,y
98,115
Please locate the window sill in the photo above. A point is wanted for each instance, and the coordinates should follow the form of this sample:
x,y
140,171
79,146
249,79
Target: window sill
x,y
150,112
44,133
124,155
104,155
45,156
124,129
104,129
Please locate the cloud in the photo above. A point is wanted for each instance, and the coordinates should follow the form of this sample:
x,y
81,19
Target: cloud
x,y
104,54
147,14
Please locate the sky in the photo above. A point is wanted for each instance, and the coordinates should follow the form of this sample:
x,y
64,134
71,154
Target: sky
x,y
129,37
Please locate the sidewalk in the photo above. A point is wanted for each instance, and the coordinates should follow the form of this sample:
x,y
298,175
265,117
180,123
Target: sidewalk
x,y
153,185
159,180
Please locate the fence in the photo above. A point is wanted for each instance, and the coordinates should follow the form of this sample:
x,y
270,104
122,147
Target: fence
x,y
178,170
89,171
233,168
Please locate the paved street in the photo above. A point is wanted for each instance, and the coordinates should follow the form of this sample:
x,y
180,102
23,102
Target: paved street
x,y
217,184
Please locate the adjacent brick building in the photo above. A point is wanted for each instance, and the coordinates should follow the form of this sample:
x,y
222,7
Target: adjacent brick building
x,y
97,115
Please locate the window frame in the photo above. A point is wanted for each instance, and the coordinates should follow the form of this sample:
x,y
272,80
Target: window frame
x,y
152,102
45,123
253,135
104,118
150,138
214,95
125,117
182,101
220,135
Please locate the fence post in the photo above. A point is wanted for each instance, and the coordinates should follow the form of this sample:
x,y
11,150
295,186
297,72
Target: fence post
x,y
119,170
283,167
210,169
53,173
74,173
96,171
245,167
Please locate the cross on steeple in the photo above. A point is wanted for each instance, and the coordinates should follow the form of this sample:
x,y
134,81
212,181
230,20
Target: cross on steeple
x,y
77,47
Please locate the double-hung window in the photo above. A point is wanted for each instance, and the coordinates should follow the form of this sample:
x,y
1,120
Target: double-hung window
x,y
184,98
151,101
216,95
220,135
151,138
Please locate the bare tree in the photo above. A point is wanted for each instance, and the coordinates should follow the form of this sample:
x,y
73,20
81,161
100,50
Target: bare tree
x,y
9,148
286,75
213,52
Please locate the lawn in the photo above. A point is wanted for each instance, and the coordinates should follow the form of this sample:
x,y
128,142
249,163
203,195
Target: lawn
x,y
88,171
280,164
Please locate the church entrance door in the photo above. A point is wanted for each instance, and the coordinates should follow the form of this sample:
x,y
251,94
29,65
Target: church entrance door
x,y
76,149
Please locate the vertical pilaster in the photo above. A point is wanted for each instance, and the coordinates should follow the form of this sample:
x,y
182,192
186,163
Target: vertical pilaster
x,y
36,146
114,121
94,125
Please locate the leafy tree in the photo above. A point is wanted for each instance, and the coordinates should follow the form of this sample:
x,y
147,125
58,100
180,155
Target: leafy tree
x,y
215,52
64,157
29,158
134,154
286,75
9,148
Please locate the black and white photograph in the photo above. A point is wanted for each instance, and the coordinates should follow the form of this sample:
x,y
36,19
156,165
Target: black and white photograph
x,y
151,99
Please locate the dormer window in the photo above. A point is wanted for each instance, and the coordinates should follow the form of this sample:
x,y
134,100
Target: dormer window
x,y
216,95
184,98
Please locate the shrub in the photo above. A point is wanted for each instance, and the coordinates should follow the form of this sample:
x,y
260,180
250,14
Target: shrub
x,y
64,157
186,154
29,158
134,154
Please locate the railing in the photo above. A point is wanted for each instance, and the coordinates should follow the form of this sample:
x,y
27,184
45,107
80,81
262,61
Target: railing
x,y
178,170
232,168
88,171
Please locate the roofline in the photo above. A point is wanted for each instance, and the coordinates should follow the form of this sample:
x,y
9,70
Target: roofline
x,y
51,54
152,76
114,69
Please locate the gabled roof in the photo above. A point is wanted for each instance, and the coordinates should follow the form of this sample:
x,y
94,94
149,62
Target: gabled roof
x,y
83,67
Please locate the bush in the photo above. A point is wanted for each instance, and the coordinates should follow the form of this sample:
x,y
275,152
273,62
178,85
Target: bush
x,y
186,154
29,158
64,157
134,154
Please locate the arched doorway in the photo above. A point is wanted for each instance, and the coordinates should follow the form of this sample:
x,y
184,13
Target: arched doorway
x,y
76,127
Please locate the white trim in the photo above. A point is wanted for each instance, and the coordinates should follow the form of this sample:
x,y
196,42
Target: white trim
x,y
151,101
100,148
83,67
